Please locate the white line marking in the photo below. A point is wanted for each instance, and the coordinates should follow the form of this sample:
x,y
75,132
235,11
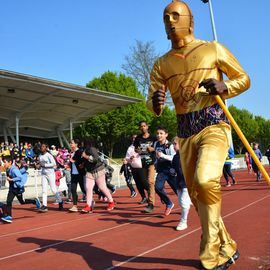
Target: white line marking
x,y
118,226
182,236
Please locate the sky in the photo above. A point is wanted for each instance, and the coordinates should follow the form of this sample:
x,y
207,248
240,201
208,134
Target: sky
x,y
76,41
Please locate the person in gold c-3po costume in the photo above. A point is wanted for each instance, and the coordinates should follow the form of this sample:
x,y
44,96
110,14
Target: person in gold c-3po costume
x,y
192,72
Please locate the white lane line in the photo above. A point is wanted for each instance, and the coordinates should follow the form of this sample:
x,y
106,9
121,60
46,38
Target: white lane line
x,y
182,236
76,238
108,229
74,220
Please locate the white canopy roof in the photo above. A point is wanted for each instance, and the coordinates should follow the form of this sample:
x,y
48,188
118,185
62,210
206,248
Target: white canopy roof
x,y
45,106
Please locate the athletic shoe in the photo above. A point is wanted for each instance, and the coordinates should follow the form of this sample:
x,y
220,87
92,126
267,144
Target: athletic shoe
x,y
149,208
73,209
225,265
87,209
43,209
7,219
37,202
168,209
181,226
133,194
61,206
68,201
111,206
143,201
228,185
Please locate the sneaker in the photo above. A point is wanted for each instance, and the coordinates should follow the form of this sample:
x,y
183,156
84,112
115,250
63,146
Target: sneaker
x,y
133,194
168,209
37,202
149,208
43,209
228,185
7,219
61,206
181,226
143,201
73,209
87,209
111,206
68,201
83,199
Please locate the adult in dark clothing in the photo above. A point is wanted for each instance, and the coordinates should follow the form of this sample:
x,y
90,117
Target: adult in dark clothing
x,y
77,172
127,170
144,146
267,153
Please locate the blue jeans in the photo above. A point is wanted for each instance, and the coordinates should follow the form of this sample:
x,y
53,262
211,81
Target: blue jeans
x,y
161,178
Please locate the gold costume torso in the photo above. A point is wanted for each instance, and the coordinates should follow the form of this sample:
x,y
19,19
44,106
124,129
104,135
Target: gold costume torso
x,y
181,71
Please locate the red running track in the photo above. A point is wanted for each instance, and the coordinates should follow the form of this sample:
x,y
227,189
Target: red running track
x,y
128,239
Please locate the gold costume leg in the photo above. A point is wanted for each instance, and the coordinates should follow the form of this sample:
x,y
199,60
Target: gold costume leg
x,y
202,157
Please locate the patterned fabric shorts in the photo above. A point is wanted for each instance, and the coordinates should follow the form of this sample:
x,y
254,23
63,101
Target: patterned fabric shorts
x,y
192,123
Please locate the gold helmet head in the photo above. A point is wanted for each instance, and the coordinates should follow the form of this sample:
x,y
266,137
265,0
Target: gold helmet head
x,y
178,21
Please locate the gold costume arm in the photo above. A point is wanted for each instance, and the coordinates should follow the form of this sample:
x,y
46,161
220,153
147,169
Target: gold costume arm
x,y
157,82
238,79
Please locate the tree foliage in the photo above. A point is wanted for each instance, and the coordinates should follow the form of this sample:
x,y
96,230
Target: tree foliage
x,y
139,63
108,128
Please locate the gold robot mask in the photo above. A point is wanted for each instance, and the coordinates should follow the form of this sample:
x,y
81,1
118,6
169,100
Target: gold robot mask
x,y
178,20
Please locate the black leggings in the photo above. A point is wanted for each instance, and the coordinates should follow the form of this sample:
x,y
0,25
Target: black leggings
x,y
227,172
75,179
10,197
140,181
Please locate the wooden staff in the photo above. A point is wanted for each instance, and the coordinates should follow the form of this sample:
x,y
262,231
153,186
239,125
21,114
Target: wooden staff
x,y
243,138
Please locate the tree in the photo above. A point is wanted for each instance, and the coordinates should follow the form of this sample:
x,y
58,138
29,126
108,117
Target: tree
x,y
139,64
108,128
247,124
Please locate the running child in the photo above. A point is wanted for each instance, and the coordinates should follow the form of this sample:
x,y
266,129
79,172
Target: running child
x,y
17,179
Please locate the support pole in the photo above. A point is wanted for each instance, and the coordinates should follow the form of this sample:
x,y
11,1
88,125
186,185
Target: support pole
x,y
70,130
11,135
17,130
65,139
60,139
5,134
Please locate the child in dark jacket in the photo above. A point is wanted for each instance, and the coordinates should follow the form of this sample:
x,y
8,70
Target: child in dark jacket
x,y
127,170
182,192
17,179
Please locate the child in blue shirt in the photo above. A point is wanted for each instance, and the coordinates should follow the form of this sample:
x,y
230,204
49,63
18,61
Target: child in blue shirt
x,y
164,155
17,179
